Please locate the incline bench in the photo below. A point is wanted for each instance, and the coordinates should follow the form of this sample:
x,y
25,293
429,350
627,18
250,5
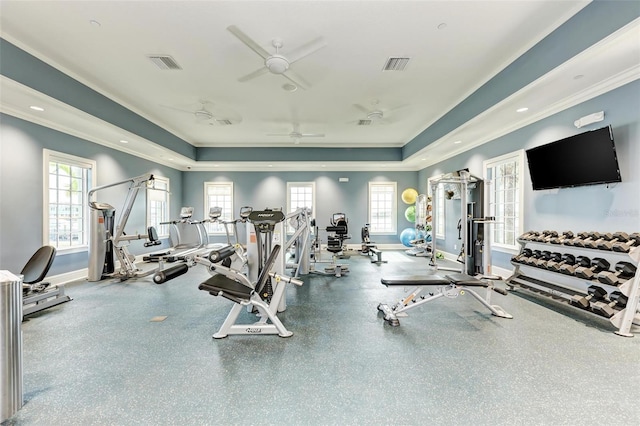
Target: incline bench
x,y
450,286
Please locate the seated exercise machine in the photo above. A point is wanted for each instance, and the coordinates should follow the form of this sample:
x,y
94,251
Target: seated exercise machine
x,y
298,244
449,286
261,297
335,244
369,248
36,294
238,261
105,241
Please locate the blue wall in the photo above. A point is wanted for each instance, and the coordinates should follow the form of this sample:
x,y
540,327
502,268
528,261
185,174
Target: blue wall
x,y
21,189
603,208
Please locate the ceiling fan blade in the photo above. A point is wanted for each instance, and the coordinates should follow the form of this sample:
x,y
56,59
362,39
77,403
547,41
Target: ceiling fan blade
x,y
312,135
361,108
176,109
306,49
248,41
279,134
254,74
296,79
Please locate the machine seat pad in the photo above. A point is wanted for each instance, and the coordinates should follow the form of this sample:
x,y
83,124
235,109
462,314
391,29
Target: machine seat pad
x,y
220,283
415,280
468,280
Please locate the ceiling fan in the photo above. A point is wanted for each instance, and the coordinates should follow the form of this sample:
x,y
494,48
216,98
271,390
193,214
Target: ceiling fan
x,y
203,115
376,115
277,63
296,135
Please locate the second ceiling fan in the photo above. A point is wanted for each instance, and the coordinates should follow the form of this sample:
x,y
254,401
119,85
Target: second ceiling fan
x,y
277,63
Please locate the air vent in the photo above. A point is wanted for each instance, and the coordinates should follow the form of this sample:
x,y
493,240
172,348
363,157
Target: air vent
x,y
364,122
164,62
224,122
396,64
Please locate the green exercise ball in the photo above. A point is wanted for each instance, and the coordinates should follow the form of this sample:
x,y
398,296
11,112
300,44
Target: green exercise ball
x,y
410,214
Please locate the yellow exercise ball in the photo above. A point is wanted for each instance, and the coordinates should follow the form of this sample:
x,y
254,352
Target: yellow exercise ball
x,y
409,196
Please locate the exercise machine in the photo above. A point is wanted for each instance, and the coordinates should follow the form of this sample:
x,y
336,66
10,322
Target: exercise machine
x,y
369,248
448,286
107,240
264,296
37,294
298,245
339,232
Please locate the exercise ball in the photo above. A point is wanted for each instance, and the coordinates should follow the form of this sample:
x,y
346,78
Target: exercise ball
x,y
409,196
410,213
407,235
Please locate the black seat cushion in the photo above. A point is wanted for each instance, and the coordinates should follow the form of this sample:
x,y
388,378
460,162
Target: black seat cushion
x,y
415,280
220,283
464,279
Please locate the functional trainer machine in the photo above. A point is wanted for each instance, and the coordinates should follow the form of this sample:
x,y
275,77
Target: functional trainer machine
x,y
105,241
339,232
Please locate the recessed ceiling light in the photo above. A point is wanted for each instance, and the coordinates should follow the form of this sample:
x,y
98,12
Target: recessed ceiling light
x,y
36,108
324,165
457,142
522,109
123,141
442,26
270,165
216,165
578,77
95,23
423,159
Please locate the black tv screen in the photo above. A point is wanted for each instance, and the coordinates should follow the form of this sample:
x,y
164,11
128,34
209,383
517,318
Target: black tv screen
x,y
585,159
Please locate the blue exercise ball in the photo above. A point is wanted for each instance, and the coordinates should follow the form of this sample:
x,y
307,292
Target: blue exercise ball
x,y
407,235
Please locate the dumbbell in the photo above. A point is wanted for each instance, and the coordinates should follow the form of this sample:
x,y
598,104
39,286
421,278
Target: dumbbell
x,y
531,260
565,259
616,300
545,236
624,271
581,262
525,253
577,239
565,236
594,292
598,264
529,235
541,262
608,243
624,247
591,241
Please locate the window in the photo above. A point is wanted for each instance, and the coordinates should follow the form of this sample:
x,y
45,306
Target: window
x,y
67,179
219,194
505,197
158,205
300,194
383,207
439,211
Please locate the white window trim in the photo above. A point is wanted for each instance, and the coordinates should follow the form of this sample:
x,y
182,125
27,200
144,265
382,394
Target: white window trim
x,y
206,207
168,189
493,162
313,199
47,156
394,209
438,204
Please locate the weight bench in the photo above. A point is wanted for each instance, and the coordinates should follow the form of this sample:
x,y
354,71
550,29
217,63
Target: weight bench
x,y
450,286
235,286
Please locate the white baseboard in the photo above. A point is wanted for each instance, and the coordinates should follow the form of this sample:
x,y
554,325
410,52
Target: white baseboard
x,y
67,277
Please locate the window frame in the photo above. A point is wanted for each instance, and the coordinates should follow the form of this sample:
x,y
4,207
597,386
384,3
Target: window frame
x,y
291,185
167,208
393,230
88,181
218,228
518,158
440,213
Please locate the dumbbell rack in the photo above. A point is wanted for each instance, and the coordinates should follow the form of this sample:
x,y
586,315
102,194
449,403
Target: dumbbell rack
x,y
563,287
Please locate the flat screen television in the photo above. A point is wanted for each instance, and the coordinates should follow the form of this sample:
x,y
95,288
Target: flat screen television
x,y
585,159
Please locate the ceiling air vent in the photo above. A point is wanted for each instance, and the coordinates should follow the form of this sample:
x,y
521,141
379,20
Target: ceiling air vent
x,y
396,64
224,122
364,122
164,62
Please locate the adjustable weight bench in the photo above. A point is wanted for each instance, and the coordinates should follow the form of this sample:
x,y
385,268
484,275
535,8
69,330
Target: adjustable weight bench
x,y
451,286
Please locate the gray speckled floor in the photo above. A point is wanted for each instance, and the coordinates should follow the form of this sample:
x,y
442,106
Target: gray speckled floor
x,y
100,360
